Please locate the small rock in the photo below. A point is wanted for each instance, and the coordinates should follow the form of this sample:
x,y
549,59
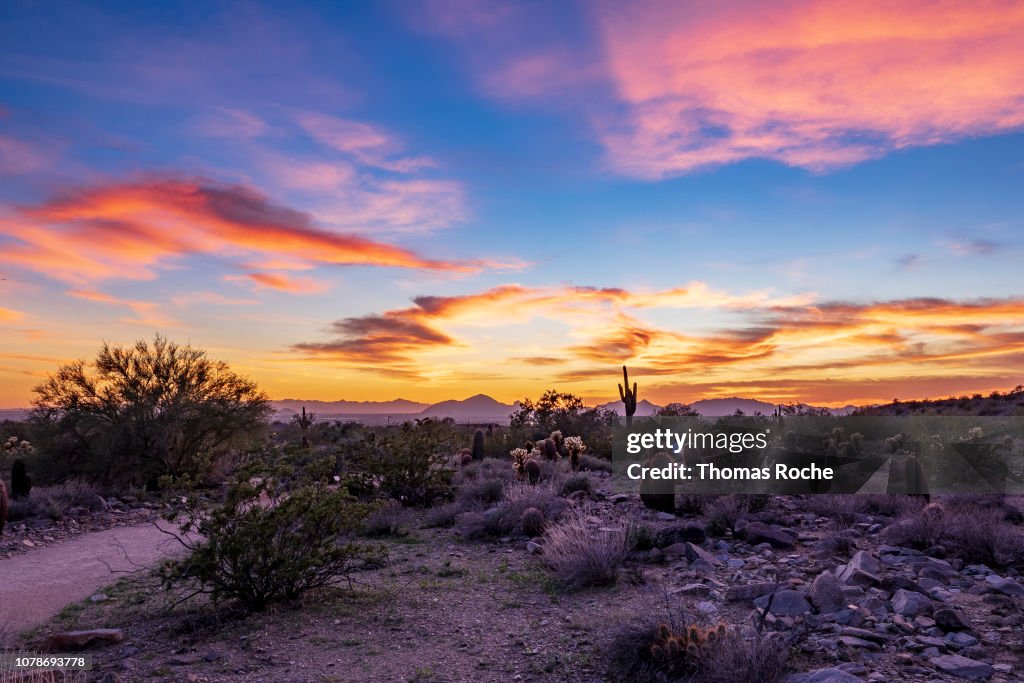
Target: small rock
x,y
692,589
99,597
534,548
749,591
950,620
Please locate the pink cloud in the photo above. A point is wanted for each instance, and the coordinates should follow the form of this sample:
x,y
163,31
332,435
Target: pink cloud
x,y
368,143
816,85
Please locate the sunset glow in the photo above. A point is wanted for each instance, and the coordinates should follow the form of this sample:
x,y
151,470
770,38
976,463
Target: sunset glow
x,y
792,201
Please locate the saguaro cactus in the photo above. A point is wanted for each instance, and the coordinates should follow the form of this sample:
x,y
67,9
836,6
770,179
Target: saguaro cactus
x,y
478,445
628,396
305,422
21,483
3,505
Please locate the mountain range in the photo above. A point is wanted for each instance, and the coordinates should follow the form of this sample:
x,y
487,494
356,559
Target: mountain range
x,y
482,408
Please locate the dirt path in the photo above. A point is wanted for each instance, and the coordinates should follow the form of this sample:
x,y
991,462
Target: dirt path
x,y
37,585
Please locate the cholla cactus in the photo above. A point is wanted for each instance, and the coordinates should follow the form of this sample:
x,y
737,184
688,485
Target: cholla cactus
x,y
678,654
975,434
13,445
519,458
559,440
575,446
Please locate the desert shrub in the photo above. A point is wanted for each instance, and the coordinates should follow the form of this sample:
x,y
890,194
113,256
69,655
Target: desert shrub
x,y
984,536
22,508
644,537
56,502
580,553
263,545
442,516
594,463
488,468
505,518
138,413
887,505
577,482
553,471
724,512
693,503
645,652
922,529
976,533
842,510
411,462
482,493
390,519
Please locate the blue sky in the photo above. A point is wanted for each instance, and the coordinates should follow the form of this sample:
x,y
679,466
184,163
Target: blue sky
x,y
279,184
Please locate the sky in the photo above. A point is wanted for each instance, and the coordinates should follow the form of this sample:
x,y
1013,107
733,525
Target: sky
x,y
792,201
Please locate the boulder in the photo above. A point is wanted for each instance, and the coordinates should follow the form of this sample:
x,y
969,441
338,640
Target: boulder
x,y
951,620
830,675
758,532
695,552
785,603
962,667
910,604
826,594
1004,586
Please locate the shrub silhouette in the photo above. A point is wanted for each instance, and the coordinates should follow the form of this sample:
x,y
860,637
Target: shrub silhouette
x,y
138,413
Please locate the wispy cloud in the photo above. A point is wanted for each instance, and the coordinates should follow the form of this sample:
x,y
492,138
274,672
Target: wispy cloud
x,y
134,229
974,247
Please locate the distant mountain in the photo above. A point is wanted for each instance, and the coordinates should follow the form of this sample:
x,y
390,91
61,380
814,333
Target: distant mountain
x,y
479,408
400,406
644,408
715,407
13,414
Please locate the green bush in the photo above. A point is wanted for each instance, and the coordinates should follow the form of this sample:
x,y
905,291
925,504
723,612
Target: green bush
x,y
411,463
266,544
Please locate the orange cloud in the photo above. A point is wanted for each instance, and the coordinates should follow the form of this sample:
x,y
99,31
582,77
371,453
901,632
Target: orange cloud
x,y
810,84
586,332
147,313
283,283
131,230
10,315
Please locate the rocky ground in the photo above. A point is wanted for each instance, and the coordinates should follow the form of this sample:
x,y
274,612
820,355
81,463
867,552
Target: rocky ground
x,y
445,609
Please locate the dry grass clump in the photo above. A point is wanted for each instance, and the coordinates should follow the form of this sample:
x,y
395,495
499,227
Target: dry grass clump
x,y
391,519
577,482
584,551
724,512
505,518
594,463
56,502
